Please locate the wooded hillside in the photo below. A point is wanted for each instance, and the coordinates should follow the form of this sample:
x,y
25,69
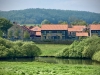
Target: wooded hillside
x,y
36,16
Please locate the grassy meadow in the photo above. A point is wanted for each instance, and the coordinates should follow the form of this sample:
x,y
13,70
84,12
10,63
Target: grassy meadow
x,y
40,68
51,49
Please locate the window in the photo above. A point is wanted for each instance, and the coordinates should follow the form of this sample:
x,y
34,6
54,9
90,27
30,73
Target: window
x,y
63,37
49,37
44,32
50,31
54,31
58,31
58,37
44,37
63,32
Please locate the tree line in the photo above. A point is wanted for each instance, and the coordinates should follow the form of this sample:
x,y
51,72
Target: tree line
x,y
36,16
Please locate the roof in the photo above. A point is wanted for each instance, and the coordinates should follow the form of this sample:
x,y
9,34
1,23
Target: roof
x,y
36,28
76,28
38,34
79,26
54,27
82,34
95,26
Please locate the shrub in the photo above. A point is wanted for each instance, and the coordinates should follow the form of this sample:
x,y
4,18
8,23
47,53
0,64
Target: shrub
x,y
18,49
30,50
96,56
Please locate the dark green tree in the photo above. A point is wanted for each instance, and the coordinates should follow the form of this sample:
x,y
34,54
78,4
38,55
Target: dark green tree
x,y
5,24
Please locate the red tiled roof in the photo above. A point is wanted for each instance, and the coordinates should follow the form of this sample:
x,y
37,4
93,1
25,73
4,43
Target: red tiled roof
x,y
38,34
79,26
82,34
36,28
75,29
95,27
54,27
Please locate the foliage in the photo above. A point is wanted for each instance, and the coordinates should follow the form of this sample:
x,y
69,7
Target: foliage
x,y
16,34
85,48
31,50
40,68
78,22
36,16
15,49
62,22
5,24
45,22
26,35
10,33
1,33
96,56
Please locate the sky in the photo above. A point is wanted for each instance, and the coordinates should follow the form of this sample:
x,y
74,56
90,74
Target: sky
x,y
80,5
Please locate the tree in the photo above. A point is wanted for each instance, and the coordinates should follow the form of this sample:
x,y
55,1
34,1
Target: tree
x,y
99,22
94,22
62,22
10,33
45,22
26,35
5,24
1,33
16,34
79,22
30,50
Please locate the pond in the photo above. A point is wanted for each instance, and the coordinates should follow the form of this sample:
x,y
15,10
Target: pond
x,y
55,60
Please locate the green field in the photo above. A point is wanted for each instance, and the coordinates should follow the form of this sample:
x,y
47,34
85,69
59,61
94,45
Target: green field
x,y
39,68
51,49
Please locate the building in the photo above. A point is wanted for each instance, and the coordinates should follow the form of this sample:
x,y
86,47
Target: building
x,y
94,29
54,32
37,33
74,30
15,32
81,34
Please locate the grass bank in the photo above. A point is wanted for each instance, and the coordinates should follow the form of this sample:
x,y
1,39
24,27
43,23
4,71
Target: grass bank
x,y
51,49
39,68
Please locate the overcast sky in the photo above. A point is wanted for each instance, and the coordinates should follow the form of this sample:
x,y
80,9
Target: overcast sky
x,y
81,5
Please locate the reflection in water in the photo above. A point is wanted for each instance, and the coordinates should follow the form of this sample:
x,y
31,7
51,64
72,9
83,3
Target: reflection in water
x,y
54,60
66,61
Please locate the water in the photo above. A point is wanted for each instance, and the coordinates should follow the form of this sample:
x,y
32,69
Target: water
x,y
55,60
66,61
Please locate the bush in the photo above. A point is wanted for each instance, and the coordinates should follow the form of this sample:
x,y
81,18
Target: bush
x,y
30,50
85,48
18,49
91,47
96,56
